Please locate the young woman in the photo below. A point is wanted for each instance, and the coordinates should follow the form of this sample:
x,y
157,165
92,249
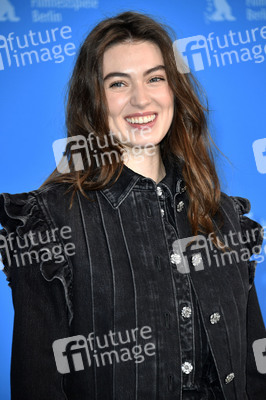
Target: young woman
x,y
130,270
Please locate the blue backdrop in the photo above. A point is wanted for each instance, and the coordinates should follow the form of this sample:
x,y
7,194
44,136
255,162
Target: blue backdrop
x,y
222,42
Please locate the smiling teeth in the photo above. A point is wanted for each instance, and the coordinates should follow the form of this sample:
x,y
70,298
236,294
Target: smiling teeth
x,y
141,120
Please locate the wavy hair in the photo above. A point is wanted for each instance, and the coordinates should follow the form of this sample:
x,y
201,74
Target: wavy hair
x,y
187,140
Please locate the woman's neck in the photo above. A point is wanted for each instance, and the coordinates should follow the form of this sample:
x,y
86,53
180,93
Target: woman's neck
x,y
147,163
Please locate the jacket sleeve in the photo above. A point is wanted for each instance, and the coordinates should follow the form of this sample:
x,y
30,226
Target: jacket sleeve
x,y
39,282
256,382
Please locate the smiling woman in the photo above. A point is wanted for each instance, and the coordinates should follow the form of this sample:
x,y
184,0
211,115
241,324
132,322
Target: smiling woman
x,y
146,229
142,86
100,101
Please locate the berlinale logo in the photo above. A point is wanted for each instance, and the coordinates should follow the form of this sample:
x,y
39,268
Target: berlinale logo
x,y
7,12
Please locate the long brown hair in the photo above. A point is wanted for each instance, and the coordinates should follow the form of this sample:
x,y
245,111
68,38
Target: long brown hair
x,y
188,137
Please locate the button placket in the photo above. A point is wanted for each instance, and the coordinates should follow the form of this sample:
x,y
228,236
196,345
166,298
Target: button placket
x,y
185,310
159,192
184,306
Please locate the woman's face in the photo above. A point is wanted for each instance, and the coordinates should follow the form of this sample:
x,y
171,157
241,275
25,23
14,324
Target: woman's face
x,y
140,101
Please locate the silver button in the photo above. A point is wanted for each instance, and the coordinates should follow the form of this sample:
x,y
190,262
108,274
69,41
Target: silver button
x,y
187,367
186,312
196,259
175,258
159,190
180,206
162,212
214,318
229,378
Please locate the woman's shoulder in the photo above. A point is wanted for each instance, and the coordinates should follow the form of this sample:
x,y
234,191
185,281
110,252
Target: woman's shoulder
x,y
252,233
240,204
31,238
21,211
236,206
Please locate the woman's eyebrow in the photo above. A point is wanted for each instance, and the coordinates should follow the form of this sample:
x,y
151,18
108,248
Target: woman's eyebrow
x,y
124,75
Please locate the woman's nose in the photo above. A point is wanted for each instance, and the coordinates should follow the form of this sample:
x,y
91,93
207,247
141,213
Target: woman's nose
x,y
140,96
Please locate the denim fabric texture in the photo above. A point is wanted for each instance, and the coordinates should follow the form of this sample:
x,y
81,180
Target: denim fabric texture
x,y
121,277
191,334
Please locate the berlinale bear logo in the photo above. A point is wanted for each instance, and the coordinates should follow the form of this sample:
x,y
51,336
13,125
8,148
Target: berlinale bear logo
x,y
7,11
219,10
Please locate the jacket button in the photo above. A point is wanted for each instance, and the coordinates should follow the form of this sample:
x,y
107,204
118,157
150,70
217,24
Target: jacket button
x,y
159,191
214,318
187,367
196,259
186,312
180,206
175,258
229,378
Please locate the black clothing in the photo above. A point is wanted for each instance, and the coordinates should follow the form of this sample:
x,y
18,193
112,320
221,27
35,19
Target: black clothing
x,y
114,280
202,382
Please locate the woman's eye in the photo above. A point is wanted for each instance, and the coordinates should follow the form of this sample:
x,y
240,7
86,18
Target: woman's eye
x,y
157,79
120,84
117,84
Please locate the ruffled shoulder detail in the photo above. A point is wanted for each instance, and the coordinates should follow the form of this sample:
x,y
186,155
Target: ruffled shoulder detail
x,y
252,232
241,204
25,220
19,212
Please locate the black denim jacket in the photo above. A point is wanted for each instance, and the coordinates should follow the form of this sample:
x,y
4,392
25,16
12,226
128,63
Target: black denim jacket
x,y
114,276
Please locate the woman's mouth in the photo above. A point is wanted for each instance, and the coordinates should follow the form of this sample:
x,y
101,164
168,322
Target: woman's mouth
x,y
141,121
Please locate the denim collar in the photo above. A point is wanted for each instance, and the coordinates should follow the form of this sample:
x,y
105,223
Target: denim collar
x,y
118,191
172,182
